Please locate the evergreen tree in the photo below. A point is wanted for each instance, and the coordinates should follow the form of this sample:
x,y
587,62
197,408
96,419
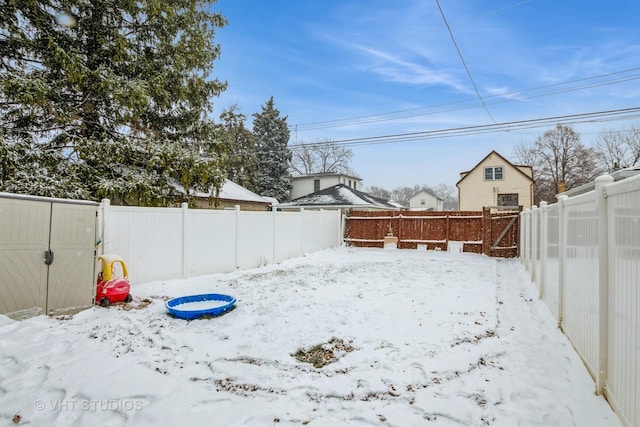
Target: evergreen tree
x,y
108,98
271,136
239,146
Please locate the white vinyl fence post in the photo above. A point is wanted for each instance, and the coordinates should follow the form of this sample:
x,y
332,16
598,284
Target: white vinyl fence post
x,y
523,238
237,216
562,256
301,231
603,280
544,215
273,225
534,243
185,210
341,227
526,238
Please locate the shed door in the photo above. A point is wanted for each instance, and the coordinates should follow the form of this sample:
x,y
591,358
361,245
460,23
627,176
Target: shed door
x,y
71,275
24,237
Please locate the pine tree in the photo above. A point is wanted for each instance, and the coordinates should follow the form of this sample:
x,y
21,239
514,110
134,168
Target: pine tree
x,y
239,147
108,98
271,136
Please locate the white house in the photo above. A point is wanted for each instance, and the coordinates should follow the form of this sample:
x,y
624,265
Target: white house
x,y
307,184
426,201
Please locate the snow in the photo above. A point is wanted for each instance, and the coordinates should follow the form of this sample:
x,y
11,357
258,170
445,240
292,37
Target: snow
x,y
438,339
352,198
201,305
230,191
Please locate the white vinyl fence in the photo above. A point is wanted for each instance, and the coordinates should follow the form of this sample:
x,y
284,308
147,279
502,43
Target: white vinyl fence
x,y
168,243
583,253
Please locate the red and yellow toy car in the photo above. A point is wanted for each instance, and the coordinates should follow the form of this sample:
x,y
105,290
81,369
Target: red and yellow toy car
x,y
113,282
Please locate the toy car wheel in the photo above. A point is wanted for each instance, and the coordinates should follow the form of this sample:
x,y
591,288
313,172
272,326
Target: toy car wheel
x,y
104,302
128,298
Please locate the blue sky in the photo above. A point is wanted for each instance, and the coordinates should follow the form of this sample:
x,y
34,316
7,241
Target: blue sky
x,y
354,69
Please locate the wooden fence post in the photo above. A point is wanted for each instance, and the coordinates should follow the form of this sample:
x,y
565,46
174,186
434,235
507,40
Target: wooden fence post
x,y
486,231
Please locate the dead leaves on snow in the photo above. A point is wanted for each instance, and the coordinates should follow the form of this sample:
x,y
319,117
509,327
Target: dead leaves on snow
x,y
322,354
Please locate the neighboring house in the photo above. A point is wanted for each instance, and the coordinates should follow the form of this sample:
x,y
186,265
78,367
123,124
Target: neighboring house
x,y
338,197
307,184
495,181
426,201
230,195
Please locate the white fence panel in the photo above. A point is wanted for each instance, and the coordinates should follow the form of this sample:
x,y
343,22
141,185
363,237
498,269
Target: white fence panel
x,y
288,228
581,287
319,236
168,243
551,262
210,237
591,261
255,239
149,240
623,367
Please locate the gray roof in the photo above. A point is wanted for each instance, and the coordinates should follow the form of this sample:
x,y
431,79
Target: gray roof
x,y
339,195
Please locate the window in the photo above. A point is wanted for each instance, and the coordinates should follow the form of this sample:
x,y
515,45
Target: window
x,y
493,173
349,183
423,202
507,200
316,185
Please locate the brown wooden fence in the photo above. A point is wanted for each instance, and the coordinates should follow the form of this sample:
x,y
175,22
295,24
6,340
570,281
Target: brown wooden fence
x,y
491,232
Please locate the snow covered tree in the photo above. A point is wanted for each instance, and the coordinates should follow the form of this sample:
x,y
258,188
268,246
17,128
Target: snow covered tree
x,y
238,144
271,136
108,98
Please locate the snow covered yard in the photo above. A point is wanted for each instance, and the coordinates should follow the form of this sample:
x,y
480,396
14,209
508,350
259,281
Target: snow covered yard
x,y
428,338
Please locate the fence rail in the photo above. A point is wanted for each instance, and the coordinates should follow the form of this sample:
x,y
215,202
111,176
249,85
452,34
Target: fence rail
x,y
583,254
168,243
488,232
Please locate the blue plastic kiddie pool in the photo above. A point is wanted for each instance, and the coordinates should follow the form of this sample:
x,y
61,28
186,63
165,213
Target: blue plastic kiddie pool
x,y
194,306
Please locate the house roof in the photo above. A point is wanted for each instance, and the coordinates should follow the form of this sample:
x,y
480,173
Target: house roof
x,y
232,191
516,167
319,174
339,195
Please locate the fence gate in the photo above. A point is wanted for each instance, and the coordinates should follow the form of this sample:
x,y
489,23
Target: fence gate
x,y
47,255
501,229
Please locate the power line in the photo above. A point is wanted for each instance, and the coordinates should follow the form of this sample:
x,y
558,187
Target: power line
x,y
415,112
598,116
444,18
